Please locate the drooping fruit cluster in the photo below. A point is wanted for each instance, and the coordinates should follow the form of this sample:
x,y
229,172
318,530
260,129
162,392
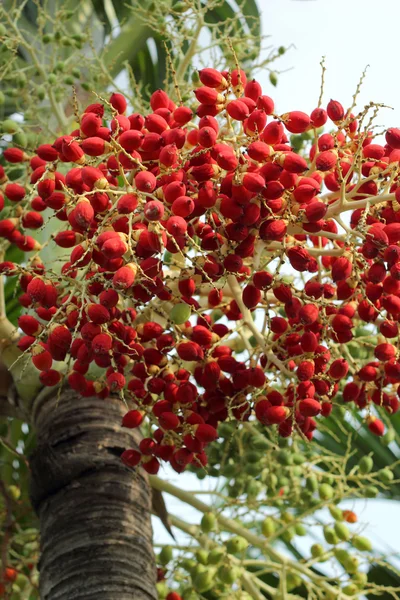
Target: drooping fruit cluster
x,y
172,221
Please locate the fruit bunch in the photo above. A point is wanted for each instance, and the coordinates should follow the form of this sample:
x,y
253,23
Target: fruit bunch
x,y
209,271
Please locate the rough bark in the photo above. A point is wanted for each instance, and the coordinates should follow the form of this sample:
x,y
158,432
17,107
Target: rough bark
x,y
96,537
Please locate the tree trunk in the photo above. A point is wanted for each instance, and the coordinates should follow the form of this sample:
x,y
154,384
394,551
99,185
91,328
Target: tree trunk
x,y
95,513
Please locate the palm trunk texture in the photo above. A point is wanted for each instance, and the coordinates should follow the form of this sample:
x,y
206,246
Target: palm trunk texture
x,y
95,513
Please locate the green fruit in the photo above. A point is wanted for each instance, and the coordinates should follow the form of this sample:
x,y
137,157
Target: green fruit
x,y
293,581
259,443
188,564
284,458
228,574
325,491
52,79
190,594
268,527
298,459
47,38
300,529
3,30
208,522
252,469
253,488
228,470
236,544
330,535
371,491
351,564
366,465
166,555
14,492
9,126
341,555
204,581
41,92
312,483
20,139
317,550
252,457
215,556
361,579
180,313
281,50
2,98
288,535
342,531
362,544
336,513
273,78
287,517
202,557
389,437
162,590
350,589
386,475
69,80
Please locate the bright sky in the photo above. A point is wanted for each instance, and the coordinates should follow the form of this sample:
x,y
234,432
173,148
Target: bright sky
x,y
351,34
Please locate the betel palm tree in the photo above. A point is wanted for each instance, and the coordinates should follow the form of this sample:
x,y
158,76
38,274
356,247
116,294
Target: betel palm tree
x,y
53,56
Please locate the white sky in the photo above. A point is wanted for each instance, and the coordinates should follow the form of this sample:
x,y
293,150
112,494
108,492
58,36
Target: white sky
x,y
351,34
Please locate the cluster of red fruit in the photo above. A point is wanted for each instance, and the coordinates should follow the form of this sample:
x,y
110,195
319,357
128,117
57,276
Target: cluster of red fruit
x,y
221,190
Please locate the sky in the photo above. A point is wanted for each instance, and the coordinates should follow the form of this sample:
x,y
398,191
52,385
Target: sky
x,y
351,34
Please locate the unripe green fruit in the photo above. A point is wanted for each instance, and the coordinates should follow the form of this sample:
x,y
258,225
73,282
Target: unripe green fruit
x,y
252,457
297,471
293,581
215,556
282,481
52,79
288,535
202,557
336,513
162,589
342,531
165,555
228,574
228,470
389,437
190,594
273,78
287,517
362,544
9,126
69,80
366,465
330,535
317,550
386,475
325,491
20,139
284,458
351,564
252,469
41,92
312,483
253,488
300,529
208,522
180,313
14,492
259,443
3,30
204,581
2,98
188,564
341,555
371,491
350,589
236,544
47,38
268,527
361,579
271,480
281,50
